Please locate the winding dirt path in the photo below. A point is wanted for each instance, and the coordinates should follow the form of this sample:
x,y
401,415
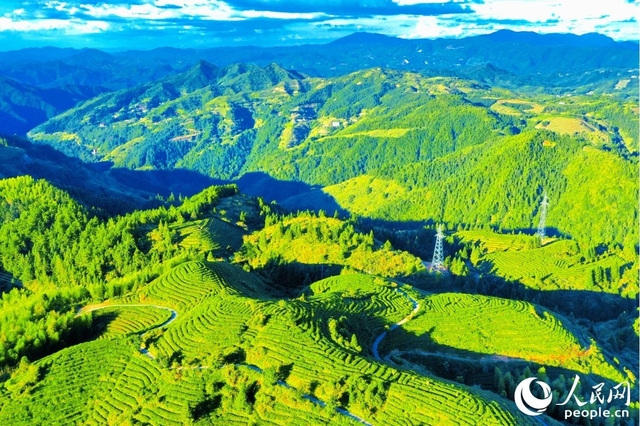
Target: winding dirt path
x,y
376,343
174,315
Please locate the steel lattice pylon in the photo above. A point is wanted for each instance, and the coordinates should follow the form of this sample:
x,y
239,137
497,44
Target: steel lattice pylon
x,y
543,218
438,252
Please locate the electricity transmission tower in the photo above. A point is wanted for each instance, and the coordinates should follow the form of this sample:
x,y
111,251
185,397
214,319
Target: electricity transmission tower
x,y
543,218
438,253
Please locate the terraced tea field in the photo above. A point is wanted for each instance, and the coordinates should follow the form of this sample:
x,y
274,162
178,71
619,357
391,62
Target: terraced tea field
x,y
482,327
553,267
295,336
189,283
557,265
306,360
317,345
491,242
109,382
210,234
123,320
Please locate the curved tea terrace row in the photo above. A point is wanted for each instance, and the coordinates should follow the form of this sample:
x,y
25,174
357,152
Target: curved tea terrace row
x,y
174,315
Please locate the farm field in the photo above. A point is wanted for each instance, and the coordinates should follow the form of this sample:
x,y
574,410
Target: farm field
x,y
234,326
220,327
557,265
109,382
554,266
485,327
516,107
207,235
491,242
119,321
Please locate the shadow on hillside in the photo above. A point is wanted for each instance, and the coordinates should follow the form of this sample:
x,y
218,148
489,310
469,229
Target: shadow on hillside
x,y
163,182
469,367
291,278
100,324
586,304
85,182
579,307
120,190
550,231
8,282
292,195
258,184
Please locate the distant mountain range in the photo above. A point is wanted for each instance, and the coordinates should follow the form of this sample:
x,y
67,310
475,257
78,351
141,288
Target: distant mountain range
x,y
523,53
560,62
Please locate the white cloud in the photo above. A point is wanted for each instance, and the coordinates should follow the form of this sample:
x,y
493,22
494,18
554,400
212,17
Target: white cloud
x,y
70,27
201,9
413,2
543,10
609,17
278,15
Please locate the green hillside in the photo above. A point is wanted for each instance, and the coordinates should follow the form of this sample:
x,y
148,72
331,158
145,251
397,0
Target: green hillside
x,y
213,340
384,144
308,324
303,287
493,327
232,329
311,240
464,188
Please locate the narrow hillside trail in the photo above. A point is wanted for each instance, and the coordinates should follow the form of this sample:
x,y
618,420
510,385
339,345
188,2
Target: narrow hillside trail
x,y
495,358
174,315
416,308
376,343
488,358
143,351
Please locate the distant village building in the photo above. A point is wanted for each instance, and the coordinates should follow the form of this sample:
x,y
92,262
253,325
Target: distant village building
x,y
335,124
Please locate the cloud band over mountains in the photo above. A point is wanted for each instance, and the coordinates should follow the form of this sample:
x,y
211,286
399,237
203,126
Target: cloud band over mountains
x,y
199,23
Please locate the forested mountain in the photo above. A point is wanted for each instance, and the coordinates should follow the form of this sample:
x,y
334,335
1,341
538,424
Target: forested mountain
x,y
23,107
428,137
527,61
86,67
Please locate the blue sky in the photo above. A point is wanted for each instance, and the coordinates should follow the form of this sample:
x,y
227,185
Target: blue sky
x,y
147,24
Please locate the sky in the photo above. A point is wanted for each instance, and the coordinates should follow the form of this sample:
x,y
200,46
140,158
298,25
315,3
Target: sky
x,y
148,24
